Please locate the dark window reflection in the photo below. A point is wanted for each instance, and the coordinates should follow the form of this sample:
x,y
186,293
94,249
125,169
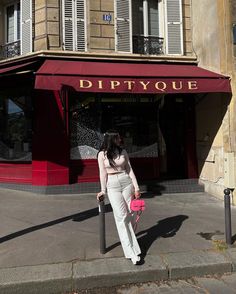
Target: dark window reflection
x,y
15,128
135,116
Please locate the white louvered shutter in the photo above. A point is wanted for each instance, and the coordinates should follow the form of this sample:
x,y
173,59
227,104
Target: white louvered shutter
x,y
68,34
123,36
26,26
80,25
174,30
74,28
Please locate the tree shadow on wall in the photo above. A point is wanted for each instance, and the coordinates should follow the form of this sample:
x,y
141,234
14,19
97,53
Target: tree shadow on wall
x,y
209,125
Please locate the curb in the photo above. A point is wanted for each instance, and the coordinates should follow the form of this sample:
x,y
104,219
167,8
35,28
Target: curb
x,y
109,272
197,263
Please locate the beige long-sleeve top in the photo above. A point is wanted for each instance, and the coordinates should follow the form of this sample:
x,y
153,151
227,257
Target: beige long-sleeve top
x,y
122,165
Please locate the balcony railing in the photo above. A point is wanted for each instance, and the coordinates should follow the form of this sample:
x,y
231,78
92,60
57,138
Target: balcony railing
x,y
10,50
148,45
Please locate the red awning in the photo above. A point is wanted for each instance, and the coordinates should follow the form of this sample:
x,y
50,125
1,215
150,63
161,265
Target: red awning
x,y
16,68
114,77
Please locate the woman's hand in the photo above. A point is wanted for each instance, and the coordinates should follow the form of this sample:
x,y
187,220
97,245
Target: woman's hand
x,y
137,194
100,196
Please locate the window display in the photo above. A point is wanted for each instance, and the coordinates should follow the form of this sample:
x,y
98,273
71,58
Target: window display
x,y
135,117
15,128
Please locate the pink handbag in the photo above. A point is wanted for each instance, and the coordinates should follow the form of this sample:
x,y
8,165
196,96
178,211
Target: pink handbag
x,y
137,205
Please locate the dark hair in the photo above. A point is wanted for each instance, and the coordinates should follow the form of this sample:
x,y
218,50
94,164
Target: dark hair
x,y
110,146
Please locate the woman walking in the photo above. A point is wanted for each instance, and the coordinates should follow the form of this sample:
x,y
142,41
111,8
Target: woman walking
x,y
118,180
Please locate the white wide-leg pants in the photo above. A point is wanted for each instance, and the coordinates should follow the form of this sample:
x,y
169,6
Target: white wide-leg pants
x,y
120,190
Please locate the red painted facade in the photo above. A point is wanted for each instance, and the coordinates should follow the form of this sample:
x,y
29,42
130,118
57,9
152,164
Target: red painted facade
x,y
50,152
16,172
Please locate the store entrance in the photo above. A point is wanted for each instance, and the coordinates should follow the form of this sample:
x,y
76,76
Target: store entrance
x,y
157,131
136,123
177,125
135,117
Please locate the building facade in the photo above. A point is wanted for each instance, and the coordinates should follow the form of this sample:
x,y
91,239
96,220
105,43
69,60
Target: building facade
x,y
72,69
216,146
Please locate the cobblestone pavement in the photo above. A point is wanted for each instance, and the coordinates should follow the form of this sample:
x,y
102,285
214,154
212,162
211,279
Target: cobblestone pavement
x,y
225,284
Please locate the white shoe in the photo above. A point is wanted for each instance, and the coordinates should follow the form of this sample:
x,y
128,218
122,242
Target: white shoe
x,y
135,259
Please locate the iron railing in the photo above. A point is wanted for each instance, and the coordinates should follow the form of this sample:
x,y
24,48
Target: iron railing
x,y
10,50
148,45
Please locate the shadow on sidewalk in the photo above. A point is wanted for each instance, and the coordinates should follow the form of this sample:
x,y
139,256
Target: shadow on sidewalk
x,y
233,239
78,217
165,228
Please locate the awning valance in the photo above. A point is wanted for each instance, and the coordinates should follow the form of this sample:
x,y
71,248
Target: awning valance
x,y
16,68
116,77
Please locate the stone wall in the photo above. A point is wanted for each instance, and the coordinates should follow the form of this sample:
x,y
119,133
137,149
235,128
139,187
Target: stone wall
x,y
233,9
47,25
212,43
187,30
101,33
211,110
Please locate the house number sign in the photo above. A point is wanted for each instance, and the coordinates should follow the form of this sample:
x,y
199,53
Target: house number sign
x,y
107,17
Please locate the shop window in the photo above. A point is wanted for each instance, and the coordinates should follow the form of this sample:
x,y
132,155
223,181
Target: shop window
x,y
15,128
135,117
85,121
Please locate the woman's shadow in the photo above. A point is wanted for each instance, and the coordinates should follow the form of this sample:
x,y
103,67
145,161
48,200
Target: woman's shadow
x,y
165,228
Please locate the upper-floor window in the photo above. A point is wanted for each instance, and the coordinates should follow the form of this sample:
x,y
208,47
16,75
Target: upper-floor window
x,y
74,25
140,26
145,16
13,22
18,29
149,26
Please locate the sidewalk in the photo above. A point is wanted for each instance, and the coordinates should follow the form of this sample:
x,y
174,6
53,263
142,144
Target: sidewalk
x,y
50,243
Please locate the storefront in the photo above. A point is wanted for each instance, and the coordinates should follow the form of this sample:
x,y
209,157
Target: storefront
x,y
52,122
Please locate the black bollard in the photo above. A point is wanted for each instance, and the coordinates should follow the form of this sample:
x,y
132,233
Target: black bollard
x,y
101,207
228,230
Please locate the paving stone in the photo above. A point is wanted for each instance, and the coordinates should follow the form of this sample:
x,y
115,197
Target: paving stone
x,y
230,280
186,287
215,286
150,288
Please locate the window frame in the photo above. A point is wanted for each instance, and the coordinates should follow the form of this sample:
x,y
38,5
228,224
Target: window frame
x,y
16,33
161,19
